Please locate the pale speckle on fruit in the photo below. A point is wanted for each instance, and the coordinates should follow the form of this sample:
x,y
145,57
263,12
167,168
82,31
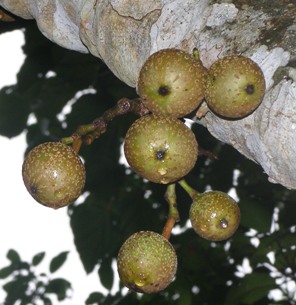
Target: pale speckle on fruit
x,y
213,215
164,181
162,171
58,194
140,282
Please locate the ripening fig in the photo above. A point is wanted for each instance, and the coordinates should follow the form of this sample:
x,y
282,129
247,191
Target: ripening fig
x,y
53,174
160,149
235,87
214,215
147,262
172,83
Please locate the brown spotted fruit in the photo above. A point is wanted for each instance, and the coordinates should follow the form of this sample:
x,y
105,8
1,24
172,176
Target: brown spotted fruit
x,y
214,215
172,83
147,262
53,174
235,87
160,149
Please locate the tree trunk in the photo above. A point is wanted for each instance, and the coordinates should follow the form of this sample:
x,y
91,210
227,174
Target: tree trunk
x,y
123,33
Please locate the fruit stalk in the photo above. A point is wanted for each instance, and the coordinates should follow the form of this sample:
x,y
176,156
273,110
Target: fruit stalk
x,y
89,132
173,216
188,189
195,54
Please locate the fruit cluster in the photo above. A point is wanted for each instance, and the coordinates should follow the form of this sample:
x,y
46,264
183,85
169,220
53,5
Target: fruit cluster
x,y
160,148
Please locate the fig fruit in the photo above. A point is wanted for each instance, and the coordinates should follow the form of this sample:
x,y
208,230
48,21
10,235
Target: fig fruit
x,y
53,174
214,215
160,149
235,87
172,83
147,262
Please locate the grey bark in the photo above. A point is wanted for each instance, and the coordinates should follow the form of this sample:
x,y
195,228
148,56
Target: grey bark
x,y
123,33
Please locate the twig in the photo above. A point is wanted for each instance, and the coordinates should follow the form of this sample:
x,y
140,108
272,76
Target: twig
x,y
86,134
173,215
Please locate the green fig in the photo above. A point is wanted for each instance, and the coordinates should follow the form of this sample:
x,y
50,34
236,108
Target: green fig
x,y
235,87
160,149
214,215
147,262
172,83
53,174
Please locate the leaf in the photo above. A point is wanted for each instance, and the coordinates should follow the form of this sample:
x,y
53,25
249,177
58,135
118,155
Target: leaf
x,y
46,300
58,261
38,258
59,287
94,298
16,290
92,225
6,271
222,171
14,111
106,273
185,298
260,253
13,256
255,214
252,288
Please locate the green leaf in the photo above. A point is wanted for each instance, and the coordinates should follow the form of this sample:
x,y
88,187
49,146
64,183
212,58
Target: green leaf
x,y
38,258
106,273
46,300
6,271
14,111
260,253
92,225
13,256
16,290
59,287
185,298
255,214
58,261
252,288
94,298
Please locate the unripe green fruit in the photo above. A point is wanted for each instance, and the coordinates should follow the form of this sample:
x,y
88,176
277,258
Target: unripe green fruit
x,y
147,262
160,149
53,174
172,83
235,88
214,215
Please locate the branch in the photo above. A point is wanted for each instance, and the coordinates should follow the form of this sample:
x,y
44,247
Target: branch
x,y
123,33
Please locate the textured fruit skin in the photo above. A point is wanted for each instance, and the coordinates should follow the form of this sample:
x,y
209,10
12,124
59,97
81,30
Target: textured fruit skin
x,y
53,174
214,215
235,87
172,83
147,262
160,149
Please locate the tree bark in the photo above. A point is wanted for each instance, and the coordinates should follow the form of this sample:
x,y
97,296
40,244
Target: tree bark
x,y
123,33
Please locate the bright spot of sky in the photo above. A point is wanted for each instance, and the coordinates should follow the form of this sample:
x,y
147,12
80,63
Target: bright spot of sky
x,y
26,226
